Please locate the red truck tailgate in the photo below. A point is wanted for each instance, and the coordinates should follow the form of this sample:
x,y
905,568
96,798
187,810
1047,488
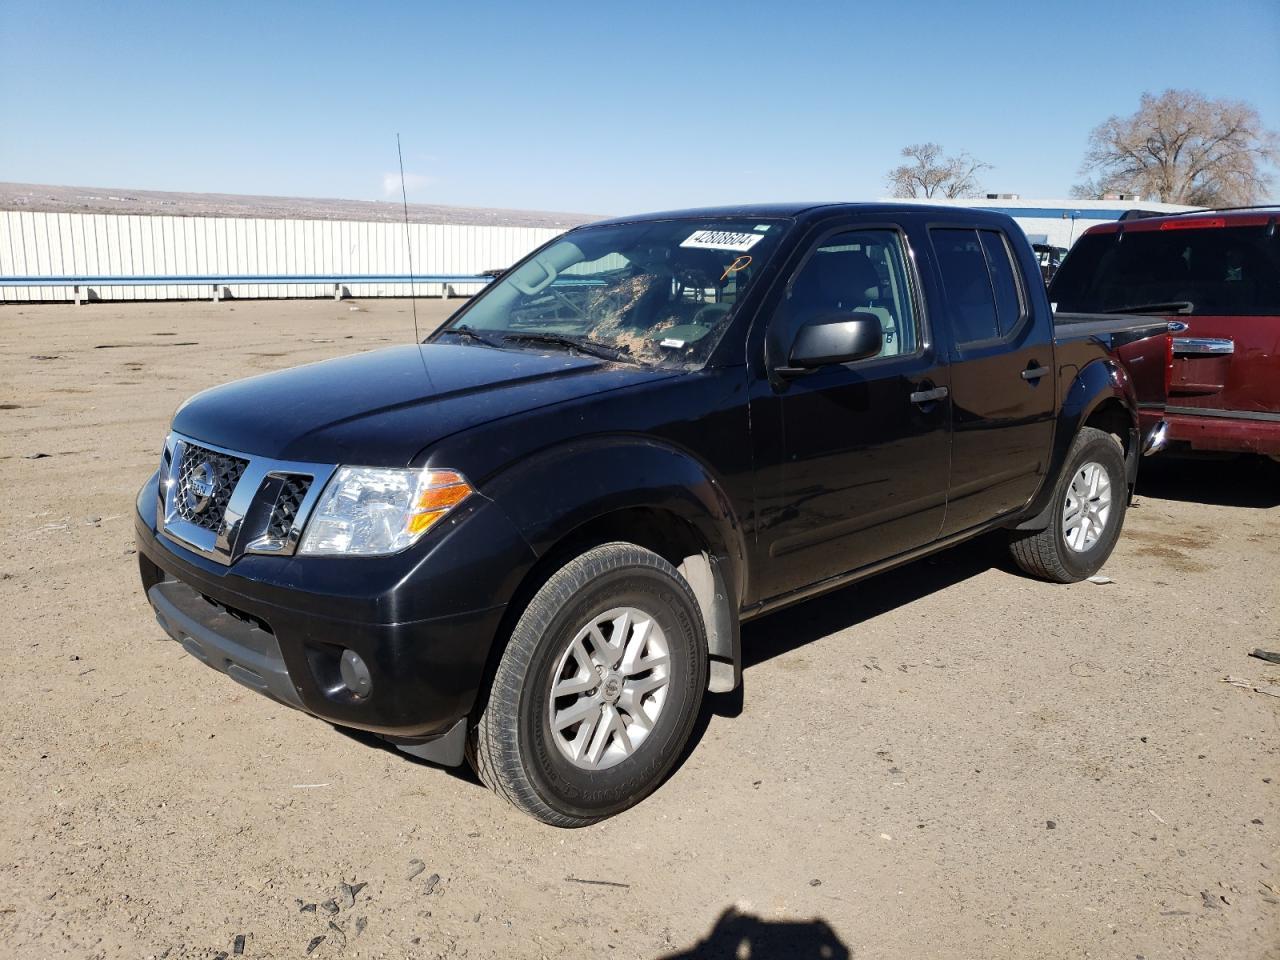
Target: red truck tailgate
x,y
1227,363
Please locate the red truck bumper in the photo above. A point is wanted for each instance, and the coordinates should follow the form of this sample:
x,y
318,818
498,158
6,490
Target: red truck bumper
x,y
1234,433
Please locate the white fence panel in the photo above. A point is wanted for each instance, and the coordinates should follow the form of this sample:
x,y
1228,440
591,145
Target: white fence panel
x,y
120,245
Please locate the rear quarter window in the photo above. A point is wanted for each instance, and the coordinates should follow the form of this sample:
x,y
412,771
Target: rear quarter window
x,y
1004,282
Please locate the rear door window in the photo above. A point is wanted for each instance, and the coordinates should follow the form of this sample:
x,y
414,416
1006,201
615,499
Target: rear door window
x,y
971,299
1220,271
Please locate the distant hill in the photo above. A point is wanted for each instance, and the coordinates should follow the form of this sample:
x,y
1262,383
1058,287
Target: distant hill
x,y
53,199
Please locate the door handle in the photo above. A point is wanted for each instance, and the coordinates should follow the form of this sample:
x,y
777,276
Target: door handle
x,y
928,396
1034,373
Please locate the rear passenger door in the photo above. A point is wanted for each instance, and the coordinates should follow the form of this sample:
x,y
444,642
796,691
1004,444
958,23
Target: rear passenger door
x,y
1002,378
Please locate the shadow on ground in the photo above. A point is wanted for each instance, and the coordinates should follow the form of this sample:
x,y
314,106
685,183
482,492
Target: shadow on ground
x,y
461,772
793,627
778,633
740,936
1236,482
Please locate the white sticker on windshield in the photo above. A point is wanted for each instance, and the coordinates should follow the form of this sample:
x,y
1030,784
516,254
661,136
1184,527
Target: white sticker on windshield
x,y
722,240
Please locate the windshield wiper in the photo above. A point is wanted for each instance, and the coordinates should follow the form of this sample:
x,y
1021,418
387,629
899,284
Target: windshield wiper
x,y
592,348
470,333
1166,306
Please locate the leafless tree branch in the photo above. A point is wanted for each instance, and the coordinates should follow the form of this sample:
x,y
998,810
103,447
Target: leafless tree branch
x,y
1182,147
930,174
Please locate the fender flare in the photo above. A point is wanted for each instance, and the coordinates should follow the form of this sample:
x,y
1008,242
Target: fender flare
x,y
611,474
1094,384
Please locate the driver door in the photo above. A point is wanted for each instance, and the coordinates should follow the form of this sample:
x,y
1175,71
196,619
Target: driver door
x,y
852,465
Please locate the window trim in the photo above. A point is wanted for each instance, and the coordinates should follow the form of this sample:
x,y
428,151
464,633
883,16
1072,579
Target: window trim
x,y
910,272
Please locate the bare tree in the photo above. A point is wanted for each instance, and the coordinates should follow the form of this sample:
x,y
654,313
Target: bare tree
x,y
1182,147
929,174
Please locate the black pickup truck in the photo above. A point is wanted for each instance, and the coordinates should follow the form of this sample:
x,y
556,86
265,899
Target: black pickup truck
x,y
531,540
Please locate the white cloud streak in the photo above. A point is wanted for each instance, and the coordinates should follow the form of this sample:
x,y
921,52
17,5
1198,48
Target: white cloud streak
x,y
413,182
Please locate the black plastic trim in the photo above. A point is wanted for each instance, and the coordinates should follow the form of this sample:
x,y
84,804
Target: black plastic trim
x,y
243,651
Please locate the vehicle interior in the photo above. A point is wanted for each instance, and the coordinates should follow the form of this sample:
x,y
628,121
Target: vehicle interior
x,y
651,290
856,272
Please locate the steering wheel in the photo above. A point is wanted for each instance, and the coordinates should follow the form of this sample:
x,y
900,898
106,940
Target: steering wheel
x,y
709,314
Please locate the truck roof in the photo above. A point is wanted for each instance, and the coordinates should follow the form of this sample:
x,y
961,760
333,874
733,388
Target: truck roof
x,y
816,211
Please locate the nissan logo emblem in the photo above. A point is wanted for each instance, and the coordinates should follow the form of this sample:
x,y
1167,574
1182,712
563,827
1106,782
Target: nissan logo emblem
x,y
201,486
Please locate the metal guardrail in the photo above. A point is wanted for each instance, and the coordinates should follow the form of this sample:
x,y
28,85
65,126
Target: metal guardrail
x,y
218,284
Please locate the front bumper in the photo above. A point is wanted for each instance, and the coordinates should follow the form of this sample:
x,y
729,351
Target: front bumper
x,y
419,621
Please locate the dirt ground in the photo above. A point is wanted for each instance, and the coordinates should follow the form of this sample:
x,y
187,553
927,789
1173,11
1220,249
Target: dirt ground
x,y
949,760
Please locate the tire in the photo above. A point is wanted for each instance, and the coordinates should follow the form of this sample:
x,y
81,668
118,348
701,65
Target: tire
x,y
559,774
1069,555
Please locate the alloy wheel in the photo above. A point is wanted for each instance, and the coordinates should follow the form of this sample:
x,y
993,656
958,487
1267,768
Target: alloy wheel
x,y
1088,505
609,688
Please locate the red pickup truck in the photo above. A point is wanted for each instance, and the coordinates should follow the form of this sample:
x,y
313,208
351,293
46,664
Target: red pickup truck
x,y
1215,275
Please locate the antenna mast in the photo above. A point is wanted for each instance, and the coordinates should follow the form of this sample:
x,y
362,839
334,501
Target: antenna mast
x,y
404,198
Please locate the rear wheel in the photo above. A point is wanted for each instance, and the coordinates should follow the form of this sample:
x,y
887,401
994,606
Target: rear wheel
x,y
1089,506
597,691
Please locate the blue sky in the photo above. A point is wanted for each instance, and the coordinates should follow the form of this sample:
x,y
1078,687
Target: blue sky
x,y
601,107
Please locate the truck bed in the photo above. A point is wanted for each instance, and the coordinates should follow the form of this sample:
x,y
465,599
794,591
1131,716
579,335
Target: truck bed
x,y
1115,329
1141,342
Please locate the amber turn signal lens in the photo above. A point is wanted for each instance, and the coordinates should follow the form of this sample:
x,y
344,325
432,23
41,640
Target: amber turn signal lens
x,y
447,490
441,498
422,522
446,478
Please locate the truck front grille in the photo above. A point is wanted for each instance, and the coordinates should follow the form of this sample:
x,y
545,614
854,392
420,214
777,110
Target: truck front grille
x,y
223,504
286,509
206,480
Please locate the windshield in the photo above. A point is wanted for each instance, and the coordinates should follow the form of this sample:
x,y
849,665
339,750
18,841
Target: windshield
x,y
658,292
1219,271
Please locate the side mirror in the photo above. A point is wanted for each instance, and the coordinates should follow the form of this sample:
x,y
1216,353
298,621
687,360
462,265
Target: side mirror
x,y
834,338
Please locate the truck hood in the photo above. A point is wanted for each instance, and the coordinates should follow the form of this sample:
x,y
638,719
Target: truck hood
x,y
384,407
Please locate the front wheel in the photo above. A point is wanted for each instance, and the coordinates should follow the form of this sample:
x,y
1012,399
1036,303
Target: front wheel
x,y
1089,506
597,691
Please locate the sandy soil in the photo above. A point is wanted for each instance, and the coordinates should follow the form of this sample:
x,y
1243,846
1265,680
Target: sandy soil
x,y
949,760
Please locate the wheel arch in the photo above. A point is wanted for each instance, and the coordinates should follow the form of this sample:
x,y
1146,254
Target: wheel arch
x,y
1100,395
650,494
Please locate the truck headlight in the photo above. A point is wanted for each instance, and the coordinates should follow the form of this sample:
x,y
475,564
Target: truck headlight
x,y
371,510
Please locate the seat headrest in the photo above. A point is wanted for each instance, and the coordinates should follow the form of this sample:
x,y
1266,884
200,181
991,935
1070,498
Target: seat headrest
x,y
837,278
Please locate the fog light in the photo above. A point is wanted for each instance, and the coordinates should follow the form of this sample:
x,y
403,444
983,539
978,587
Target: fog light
x,y
355,675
